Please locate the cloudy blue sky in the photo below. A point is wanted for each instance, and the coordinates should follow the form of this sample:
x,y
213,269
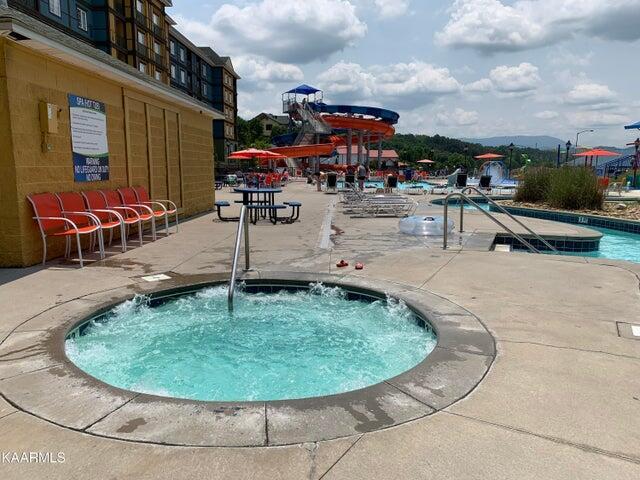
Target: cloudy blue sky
x,y
463,68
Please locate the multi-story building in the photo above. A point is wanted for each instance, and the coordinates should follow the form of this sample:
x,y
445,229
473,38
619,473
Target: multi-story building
x,y
225,99
75,118
141,34
203,74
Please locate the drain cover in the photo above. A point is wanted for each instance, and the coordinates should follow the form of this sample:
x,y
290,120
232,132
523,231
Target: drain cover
x,y
156,278
627,330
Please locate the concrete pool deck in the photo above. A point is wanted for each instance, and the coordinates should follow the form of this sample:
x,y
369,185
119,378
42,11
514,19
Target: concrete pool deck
x,y
559,401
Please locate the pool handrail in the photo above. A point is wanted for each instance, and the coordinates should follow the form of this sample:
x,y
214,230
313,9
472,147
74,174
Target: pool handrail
x,y
243,224
491,217
501,209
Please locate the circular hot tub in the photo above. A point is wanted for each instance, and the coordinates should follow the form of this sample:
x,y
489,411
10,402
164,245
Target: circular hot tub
x,y
304,358
288,343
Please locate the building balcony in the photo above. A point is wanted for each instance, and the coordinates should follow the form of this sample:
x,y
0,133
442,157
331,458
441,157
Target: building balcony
x,y
121,42
159,60
23,4
119,8
142,50
158,31
141,19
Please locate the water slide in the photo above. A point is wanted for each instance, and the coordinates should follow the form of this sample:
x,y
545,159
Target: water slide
x,y
342,119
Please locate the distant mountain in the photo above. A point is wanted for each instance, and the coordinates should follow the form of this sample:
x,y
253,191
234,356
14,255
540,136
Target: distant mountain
x,y
543,142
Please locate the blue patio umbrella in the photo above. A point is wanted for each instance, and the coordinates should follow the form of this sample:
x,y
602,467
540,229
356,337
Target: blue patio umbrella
x,y
635,126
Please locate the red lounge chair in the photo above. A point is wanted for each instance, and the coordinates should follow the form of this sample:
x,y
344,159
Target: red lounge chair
x,y
110,218
130,199
131,215
170,208
55,222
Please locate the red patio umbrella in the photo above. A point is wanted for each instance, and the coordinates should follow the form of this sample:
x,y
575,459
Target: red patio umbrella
x,y
426,161
596,152
488,156
252,153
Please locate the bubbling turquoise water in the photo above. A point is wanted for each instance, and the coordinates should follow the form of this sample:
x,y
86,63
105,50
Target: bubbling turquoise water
x,y
285,345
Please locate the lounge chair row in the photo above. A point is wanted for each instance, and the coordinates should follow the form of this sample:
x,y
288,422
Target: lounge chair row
x,y
360,204
92,212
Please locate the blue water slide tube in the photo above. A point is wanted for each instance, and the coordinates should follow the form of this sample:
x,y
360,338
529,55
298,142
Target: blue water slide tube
x,y
384,115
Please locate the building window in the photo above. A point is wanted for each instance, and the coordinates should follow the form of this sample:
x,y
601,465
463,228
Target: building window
x,y
82,20
141,38
142,67
140,6
183,76
183,55
158,75
173,71
204,89
172,47
204,70
156,19
54,7
268,127
156,48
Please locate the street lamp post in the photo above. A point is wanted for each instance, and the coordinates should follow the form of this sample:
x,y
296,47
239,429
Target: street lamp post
x,y
568,145
636,161
466,157
511,147
578,137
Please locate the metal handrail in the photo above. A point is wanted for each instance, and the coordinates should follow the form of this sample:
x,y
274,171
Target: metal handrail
x,y
495,220
512,217
243,224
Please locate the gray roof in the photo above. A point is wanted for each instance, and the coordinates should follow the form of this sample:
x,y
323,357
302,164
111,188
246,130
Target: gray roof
x,y
218,60
281,119
37,27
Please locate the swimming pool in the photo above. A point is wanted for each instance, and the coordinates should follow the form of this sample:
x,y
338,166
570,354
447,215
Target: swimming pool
x,y
615,244
284,345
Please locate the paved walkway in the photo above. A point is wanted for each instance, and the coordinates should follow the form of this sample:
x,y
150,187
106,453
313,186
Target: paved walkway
x,y
561,401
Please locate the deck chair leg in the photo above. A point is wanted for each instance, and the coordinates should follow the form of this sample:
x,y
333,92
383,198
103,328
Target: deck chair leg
x,y
176,221
153,228
166,223
100,235
123,237
140,232
44,250
79,250
110,236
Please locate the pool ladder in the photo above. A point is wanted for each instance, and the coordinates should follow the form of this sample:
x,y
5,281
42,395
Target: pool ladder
x,y
243,224
501,209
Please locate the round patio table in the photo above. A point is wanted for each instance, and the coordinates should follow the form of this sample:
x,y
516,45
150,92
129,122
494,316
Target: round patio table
x,y
258,196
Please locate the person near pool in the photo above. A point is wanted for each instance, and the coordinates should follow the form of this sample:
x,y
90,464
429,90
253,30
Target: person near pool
x,y
361,171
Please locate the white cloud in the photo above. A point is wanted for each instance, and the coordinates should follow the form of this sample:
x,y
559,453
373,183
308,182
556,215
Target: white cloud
x,y
457,118
591,94
563,58
258,73
547,115
491,26
288,31
520,79
479,86
597,119
391,8
402,85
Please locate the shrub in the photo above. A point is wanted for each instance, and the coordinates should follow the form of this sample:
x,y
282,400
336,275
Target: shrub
x,y
575,188
534,186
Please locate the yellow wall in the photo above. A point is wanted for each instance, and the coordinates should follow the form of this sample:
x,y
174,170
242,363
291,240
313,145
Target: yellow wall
x,y
152,142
